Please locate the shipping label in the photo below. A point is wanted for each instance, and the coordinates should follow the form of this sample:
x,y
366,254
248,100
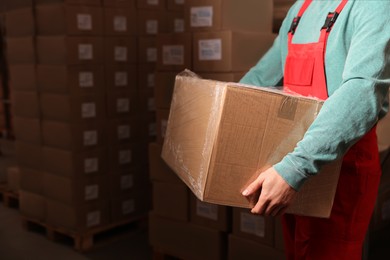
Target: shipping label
x,y
151,26
88,110
85,79
151,80
91,165
91,192
125,157
210,50
93,218
207,210
122,105
85,51
252,224
127,182
120,23
123,132
173,55
151,54
84,22
120,53
202,16
90,138
128,207
178,25
121,78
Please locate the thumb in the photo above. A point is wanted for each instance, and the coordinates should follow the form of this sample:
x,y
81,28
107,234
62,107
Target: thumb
x,y
254,186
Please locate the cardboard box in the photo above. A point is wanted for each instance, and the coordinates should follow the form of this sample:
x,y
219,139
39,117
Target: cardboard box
x,y
28,130
119,3
121,104
13,179
176,22
124,130
146,78
121,77
80,218
147,50
73,109
226,77
279,240
158,169
223,133
171,201
120,49
175,51
218,51
241,248
217,15
20,50
76,2
29,155
25,104
151,22
32,206
69,50
31,180
75,164
185,240
151,4
257,228
73,80
75,191
22,77
165,81
128,182
20,23
162,123
70,20
147,104
130,206
125,156
17,4
120,21
210,215
74,137
176,5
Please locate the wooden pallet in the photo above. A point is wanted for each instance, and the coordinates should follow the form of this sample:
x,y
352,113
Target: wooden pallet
x,y
86,240
10,198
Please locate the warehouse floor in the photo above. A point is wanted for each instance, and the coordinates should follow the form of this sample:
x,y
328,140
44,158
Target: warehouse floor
x,y
18,244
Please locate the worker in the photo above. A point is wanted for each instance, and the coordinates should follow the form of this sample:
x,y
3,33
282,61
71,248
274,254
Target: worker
x,y
338,51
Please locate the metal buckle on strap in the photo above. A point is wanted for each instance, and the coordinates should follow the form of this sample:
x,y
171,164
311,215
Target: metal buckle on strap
x,y
294,24
330,20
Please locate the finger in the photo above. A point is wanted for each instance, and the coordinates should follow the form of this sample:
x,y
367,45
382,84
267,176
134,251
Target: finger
x,y
253,187
260,206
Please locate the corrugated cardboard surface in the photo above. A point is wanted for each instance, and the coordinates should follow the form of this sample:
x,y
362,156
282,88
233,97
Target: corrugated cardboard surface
x,y
150,4
216,15
121,77
146,77
151,22
220,134
159,171
176,22
185,240
17,4
175,51
31,180
121,104
146,101
28,155
19,23
120,21
32,205
22,77
177,5
226,77
130,205
119,3
25,104
124,130
120,50
147,50
128,182
13,179
241,248
123,156
28,130
165,82
20,50
78,2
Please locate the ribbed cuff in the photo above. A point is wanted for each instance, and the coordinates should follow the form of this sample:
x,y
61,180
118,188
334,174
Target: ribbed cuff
x,y
290,174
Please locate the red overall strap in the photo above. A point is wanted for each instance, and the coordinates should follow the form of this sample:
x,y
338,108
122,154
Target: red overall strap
x,y
330,20
296,19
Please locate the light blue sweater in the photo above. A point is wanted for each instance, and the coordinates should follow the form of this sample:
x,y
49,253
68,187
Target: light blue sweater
x,y
357,67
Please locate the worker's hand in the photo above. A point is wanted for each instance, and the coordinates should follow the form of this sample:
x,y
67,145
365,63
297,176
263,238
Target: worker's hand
x,y
275,193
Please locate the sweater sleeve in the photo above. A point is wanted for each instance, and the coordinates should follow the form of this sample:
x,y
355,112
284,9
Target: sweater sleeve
x,y
354,108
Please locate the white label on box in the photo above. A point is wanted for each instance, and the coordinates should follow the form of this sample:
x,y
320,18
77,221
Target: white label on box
x,y
128,207
210,49
127,182
386,210
84,22
122,105
179,2
164,124
85,51
173,55
124,132
151,104
90,138
151,54
86,79
178,25
120,53
252,224
152,2
152,129
120,78
125,156
120,23
88,110
207,210
151,26
151,80
202,16
91,192
93,218
91,165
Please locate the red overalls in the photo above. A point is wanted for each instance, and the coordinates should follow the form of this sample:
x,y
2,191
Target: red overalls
x,y
342,235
